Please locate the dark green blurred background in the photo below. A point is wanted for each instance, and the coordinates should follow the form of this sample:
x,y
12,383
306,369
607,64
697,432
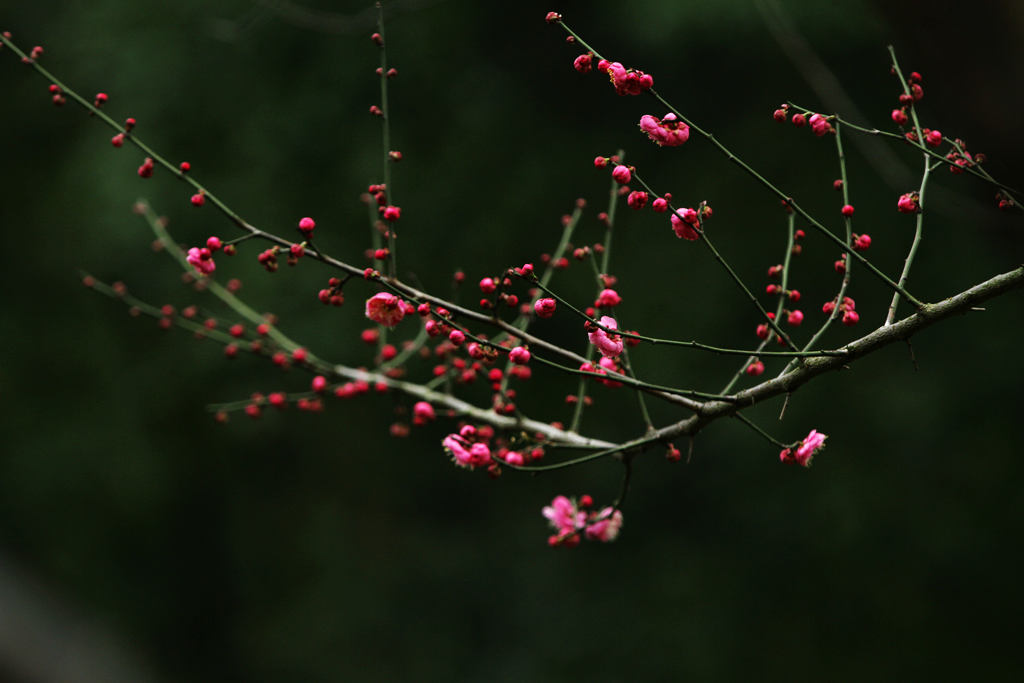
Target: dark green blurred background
x,y
138,540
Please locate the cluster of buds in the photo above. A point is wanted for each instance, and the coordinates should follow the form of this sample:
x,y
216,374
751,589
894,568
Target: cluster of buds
x,y
915,91
961,158
847,307
332,295
819,123
201,258
146,169
268,258
570,520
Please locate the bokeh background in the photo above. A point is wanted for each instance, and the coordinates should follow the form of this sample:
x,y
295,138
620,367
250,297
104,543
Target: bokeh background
x,y
141,541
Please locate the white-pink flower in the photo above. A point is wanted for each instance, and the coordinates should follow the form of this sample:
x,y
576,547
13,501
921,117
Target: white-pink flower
x,y
610,346
385,308
606,527
564,516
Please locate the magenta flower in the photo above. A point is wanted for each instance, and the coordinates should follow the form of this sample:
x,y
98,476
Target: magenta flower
x,y
201,259
422,413
627,81
683,223
609,345
520,355
545,308
908,203
385,308
665,132
465,454
813,443
607,298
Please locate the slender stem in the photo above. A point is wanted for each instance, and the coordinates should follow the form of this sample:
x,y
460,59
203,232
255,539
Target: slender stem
x,y
789,201
640,384
847,264
688,344
784,284
772,322
918,230
768,437
627,464
386,139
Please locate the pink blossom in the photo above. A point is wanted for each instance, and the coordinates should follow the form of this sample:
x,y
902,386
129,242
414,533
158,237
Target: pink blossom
x,y
564,516
621,174
627,81
609,345
683,223
819,124
606,527
608,298
465,454
665,132
545,308
808,447
519,355
385,308
583,63
456,447
201,259
908,203
422,412
636,200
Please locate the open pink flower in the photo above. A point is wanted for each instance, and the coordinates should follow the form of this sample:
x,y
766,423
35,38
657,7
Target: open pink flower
x,y
564,516
465,454
604,526
813,443
668,131
610,345
385,308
